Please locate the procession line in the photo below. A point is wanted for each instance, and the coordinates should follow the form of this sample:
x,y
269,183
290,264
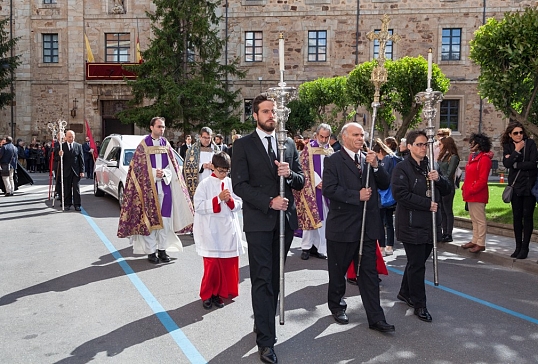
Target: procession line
x,y
475,299
173,329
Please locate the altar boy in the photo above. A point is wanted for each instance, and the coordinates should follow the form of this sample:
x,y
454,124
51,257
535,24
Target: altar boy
x,y
217,234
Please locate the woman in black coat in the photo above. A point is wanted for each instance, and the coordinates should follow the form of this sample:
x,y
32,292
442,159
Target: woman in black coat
x,y
520,156
411,181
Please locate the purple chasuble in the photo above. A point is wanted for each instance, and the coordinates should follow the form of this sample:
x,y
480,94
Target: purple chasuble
x,y
166,207
316,161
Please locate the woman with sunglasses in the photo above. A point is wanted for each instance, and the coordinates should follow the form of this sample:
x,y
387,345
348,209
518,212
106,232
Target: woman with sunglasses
x,y
475,188
519,157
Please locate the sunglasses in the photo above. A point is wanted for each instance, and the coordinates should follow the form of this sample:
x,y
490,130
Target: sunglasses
x,y
517,132
222,170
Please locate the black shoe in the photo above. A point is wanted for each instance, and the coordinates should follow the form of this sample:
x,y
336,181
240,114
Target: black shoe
x,y
217,301
267,355
305,255
341,317
67,208
423,314
163,256
523,253
207,303
447,238
77,208
405,299
153,258
515,253
7,194
352,281
320,256
382,326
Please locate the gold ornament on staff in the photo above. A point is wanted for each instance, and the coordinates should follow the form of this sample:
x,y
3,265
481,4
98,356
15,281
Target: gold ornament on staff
x,y
378,78
61,132
281,96
430,99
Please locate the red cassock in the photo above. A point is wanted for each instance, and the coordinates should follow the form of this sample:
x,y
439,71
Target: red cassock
x,y
380,265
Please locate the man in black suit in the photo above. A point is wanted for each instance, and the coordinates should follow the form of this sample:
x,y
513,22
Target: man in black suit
x,y
255,178
73,169
344,181
88,158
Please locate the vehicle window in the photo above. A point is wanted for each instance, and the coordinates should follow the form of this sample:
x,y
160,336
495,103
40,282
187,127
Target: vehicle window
x,y
114,154
103,147
128,156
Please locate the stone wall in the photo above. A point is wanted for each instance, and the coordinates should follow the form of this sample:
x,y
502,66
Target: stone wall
x,y
45,92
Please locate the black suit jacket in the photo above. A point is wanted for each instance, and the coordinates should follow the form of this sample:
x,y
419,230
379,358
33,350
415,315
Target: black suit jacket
x,y
341,185
255,180
73,160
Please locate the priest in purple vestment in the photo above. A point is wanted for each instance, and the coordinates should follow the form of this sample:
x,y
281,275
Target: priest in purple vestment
x,y
312,207
156,202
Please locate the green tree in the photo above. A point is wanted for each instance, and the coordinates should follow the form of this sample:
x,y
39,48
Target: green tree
x,y
300,118
8,64
406,77
182,76
327,98
507,52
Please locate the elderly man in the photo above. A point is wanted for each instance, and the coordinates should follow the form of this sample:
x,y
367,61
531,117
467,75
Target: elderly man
x,y
155,203
312,207
344,184
197,164
73,169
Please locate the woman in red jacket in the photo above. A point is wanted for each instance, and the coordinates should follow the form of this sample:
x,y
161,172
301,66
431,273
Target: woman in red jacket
x,y
475,189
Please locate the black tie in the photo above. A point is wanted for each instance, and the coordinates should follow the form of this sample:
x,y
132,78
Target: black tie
x,y
69,144
358,164
272,156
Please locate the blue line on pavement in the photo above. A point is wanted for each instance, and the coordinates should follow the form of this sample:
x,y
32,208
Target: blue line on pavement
x,y
173,329
474,299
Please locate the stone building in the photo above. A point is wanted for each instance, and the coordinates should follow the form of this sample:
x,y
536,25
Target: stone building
x,y
324,38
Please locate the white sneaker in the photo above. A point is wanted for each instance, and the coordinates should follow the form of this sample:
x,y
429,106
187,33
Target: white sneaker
x,y
383,253
388,250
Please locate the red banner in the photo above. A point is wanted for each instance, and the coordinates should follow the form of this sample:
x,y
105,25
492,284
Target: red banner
x,y
92,142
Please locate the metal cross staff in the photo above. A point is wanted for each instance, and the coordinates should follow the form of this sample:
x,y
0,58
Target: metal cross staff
x,y
281,96
61,129
429,99
53,130
378,78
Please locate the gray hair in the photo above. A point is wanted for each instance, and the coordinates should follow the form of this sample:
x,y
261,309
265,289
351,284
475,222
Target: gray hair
x,y
324,126
207,130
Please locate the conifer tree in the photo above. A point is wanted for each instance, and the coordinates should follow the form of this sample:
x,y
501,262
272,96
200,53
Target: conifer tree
x,y
183,76
8,64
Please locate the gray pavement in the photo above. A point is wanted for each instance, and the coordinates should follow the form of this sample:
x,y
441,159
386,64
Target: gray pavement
x,y
72,292
498,250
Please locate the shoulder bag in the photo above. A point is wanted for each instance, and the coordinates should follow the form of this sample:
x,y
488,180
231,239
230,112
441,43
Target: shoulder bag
x,y
509,190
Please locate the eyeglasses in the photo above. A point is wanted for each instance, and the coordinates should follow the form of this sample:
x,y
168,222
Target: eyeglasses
x,y
420,145
222,170
517,132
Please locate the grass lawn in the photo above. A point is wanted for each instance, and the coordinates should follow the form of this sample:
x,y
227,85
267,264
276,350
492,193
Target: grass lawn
x,y
496,209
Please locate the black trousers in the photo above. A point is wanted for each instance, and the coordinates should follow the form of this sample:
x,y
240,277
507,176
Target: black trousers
x,y
447,212
88,165
339,257
264,262
523,212
72,189
415,270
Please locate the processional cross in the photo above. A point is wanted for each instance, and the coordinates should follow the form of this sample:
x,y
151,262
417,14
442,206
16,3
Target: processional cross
x,y
379,73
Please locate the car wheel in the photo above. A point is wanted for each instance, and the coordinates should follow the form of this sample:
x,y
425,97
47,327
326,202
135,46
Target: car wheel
x,y
96,191
120,195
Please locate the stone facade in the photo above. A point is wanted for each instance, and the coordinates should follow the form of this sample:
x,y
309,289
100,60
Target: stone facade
x,y
45,91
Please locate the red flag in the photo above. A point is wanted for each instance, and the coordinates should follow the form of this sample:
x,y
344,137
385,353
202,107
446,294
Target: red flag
x,y
92,142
